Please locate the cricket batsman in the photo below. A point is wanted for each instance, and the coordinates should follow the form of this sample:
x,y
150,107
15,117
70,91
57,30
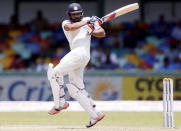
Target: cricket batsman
x,y
78,31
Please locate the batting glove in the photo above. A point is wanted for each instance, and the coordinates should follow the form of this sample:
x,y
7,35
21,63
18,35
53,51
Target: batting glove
x,y
90,28
96,19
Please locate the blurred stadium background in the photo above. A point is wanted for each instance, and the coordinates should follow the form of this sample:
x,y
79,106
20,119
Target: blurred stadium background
x,y
126,68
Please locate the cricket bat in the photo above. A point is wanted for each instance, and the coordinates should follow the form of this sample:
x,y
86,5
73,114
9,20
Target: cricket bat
x,y
120,11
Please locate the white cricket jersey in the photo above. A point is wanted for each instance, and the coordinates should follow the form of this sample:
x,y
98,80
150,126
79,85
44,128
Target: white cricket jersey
x,y
78,38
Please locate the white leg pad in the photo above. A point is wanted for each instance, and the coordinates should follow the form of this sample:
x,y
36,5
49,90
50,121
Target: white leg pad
x,y
57,89
76,80
82,99
61,96
88,96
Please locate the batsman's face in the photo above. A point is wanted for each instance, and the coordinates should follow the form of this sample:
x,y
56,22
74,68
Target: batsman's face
x,y
76,16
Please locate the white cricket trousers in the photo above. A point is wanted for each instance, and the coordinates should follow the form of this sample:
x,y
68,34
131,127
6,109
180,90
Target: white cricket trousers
x,y
73,64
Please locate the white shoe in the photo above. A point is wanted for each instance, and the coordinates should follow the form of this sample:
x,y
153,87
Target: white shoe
x,y
94,121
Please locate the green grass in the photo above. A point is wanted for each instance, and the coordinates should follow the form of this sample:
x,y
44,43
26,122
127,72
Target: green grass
x,y
125,121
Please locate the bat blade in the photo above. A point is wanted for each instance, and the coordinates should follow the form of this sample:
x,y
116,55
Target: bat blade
x,y
120,11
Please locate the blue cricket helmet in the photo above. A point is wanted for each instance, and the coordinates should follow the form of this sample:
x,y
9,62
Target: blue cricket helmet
x,y
74,8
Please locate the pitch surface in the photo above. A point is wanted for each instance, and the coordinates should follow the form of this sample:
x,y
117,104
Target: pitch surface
x,y
76,121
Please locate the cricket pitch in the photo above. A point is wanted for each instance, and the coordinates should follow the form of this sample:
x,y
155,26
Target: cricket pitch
x,y
76,121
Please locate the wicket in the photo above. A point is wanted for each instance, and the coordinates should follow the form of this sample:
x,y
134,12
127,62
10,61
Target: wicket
x,y
168,114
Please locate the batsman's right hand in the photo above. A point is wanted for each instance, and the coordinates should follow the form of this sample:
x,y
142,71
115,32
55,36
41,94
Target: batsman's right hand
x,y
90,28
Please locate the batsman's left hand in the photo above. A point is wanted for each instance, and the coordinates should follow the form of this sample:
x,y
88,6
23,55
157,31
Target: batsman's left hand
x,y
96,19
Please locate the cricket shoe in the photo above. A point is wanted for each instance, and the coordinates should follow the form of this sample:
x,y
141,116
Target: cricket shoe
x,y
94,121
54,110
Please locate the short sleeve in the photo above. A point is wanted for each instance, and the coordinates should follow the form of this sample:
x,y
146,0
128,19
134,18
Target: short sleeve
x,y
65,22
86,18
